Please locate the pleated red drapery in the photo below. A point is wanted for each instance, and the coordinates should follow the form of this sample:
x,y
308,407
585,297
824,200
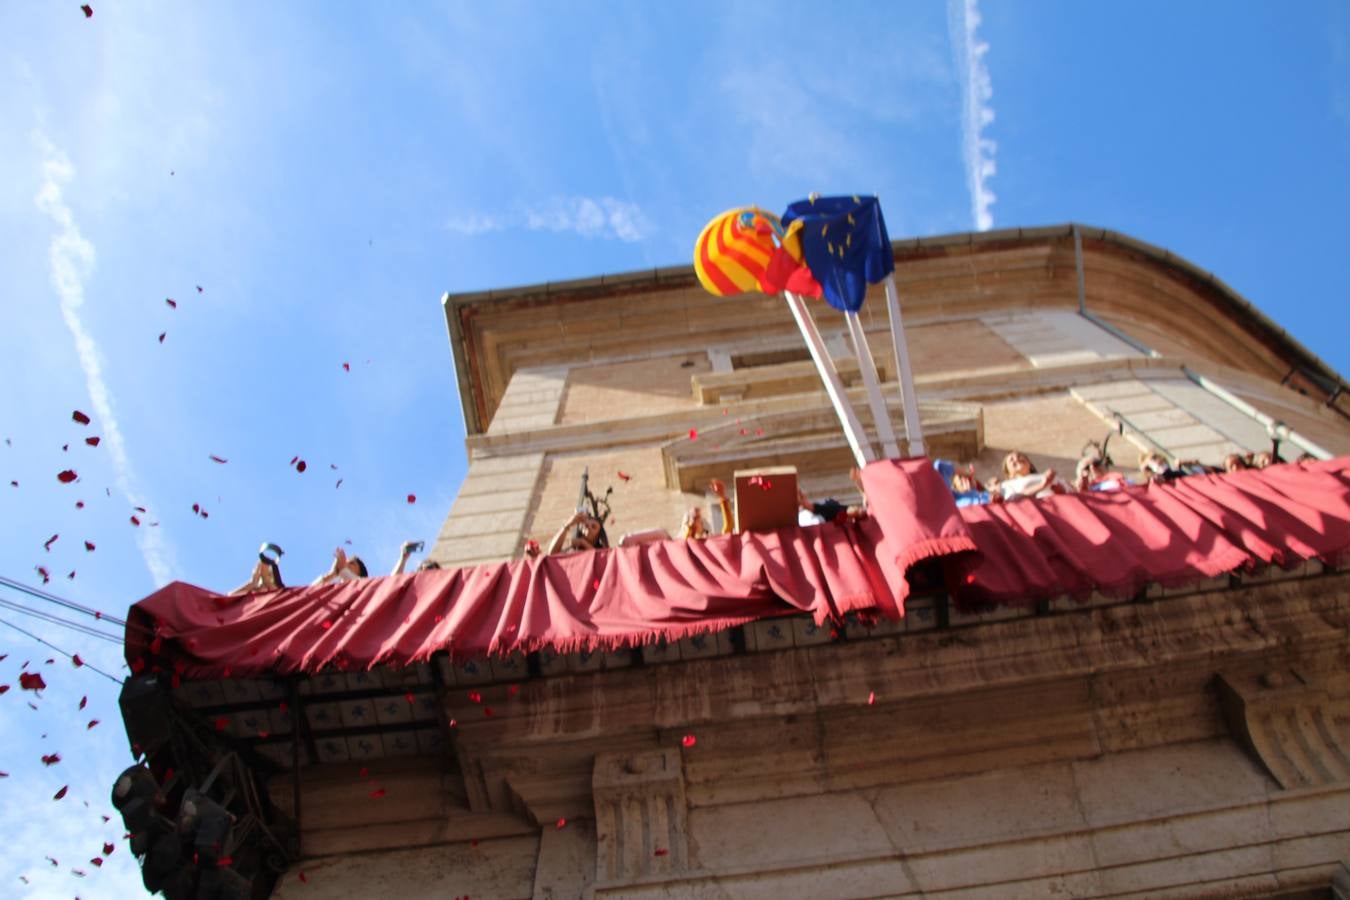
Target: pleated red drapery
x,y
1013,553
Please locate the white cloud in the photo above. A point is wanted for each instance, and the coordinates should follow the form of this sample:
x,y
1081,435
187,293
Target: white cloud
x,y
606,218
963,22
71,258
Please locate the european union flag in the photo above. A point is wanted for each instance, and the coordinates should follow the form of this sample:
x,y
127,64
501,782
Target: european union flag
x,y
845,245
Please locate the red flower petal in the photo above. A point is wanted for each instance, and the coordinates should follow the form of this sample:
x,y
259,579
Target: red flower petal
x,y
512,690
409,697
79,504
871,698
161,336
196,508
217,459
222,723
625,476
300,466
378,794
173,304
51,759
412,498
46,576
4,688
487,711
688,740
693,434
346,367
304,879
225,861
92,723
364,773
135,521
47,544
108,848
88,11
199,289
67,476
327,624
338,485
32,681
88,546
80,417
561,823
76,661
660,851
96,862
92,441
84,701
61,793
475,697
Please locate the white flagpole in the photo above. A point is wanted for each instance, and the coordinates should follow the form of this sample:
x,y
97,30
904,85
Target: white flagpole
x,y
913,429
880,417
853,432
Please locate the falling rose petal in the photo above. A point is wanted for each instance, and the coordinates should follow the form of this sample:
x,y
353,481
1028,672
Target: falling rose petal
x,y
512,690
759,432
42,571
92,724
660,851
301,466
13,483
80,417
327,624
225,861
51,759
338,485
378,794
560,824
346,367
410,698
364,773
87,10
487,711
65,448
66,476
871,698
412,498
217,459
693,434
4,774
108,848
78,873
61,793
92,441
47,544
88,546
222,723
625,476
96,862
294,460
162,335
84,701
199,289
79,504
135,521
139,509
688,740
304,879
473,842
173,304
475,697
106,820
51,860
196,508
4,689
452,723
32,681
76,661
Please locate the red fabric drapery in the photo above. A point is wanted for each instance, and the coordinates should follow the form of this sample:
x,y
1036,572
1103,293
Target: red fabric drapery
x,y
1011,554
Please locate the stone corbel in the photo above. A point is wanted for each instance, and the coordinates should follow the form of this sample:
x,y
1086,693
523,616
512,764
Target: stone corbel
x,y
1286,721
640,816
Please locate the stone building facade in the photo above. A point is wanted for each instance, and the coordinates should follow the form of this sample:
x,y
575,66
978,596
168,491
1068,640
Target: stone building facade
x,y
1192,742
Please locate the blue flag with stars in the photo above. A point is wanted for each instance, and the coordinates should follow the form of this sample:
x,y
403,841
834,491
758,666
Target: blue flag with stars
x,y
845,245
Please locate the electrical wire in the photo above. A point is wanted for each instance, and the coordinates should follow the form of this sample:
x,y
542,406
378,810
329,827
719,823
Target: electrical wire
x,y
86,665
59,622
48,596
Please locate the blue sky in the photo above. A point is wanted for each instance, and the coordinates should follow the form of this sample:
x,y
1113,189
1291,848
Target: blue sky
x,y
325,171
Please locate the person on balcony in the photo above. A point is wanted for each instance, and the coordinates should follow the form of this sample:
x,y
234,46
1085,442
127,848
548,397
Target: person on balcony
x,y
695,525
345,568
1093,474
965,487
1021,480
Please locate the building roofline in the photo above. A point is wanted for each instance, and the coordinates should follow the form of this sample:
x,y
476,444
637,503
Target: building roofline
x,y
679,276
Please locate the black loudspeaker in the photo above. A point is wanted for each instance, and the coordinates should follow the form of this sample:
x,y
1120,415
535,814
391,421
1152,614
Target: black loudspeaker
x,y
145,710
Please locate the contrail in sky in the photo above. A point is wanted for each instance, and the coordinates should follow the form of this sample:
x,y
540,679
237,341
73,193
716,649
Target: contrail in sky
x,y
963,21
71,258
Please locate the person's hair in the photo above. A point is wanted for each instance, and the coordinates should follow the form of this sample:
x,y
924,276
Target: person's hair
x,y
1009,455
428,565
276,572
360,566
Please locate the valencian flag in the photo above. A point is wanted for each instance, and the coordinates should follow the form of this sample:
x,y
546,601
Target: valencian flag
x,y
843,241
733,252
